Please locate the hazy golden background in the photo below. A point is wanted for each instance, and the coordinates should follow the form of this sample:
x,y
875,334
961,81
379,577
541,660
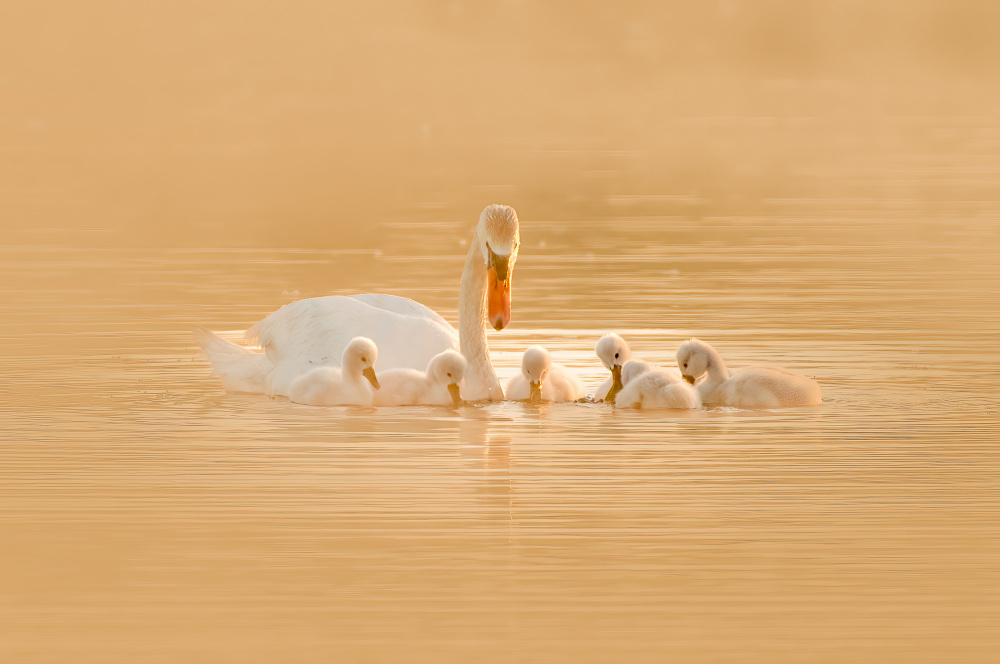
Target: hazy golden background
x,y
291,123
810,184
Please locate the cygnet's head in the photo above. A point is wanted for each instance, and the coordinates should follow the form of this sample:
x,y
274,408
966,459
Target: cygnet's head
x,y
535,365
614,353
448,368
633,369
693,358
497,234
359,358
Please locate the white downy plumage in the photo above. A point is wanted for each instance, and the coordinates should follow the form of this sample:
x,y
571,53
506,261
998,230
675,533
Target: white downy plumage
x,y
753,387
440,385
348,385
613,353
543,380
647,388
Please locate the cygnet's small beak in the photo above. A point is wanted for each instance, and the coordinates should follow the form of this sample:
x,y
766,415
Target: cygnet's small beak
x,y
616,384
534,392
456,394
369,373
689,379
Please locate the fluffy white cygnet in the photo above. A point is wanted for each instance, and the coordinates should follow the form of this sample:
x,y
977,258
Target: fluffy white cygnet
x,y
348,385
542,380
753,387
438,386
614,353
645,387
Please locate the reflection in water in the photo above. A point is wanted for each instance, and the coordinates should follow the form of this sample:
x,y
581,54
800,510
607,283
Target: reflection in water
x,y
485,447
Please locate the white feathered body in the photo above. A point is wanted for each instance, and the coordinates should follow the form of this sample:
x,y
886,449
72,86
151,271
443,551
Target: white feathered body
x,y
762,387
560,384
657,389
409,387
603,389
329,386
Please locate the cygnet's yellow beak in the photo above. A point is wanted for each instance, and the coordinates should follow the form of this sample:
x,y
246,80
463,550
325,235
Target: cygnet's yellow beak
x,y
534,392
456,394
689,379
369,373
616,384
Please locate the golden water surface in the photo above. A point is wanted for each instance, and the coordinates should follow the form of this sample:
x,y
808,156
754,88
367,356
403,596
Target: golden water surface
x,y
813,188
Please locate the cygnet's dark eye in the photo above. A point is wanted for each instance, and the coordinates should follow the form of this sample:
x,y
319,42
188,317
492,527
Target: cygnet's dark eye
x,y
364,359
685,365
616,356
449,374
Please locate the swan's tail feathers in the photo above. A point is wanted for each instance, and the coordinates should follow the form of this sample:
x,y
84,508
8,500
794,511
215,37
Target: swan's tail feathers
x,y
241,369
254,333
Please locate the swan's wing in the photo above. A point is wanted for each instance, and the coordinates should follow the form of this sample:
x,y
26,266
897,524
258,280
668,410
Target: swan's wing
x,y
304,330
403,306
316,330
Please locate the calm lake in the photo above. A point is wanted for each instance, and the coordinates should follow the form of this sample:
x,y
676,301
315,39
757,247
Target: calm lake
x,y
141,504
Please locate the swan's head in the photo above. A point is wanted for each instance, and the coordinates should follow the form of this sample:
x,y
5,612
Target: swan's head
x,y
448,368
614,353
693,358
498,237
359,358
633,369
535,365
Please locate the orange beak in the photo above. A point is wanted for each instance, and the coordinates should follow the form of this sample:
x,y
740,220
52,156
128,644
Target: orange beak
x,y
498,300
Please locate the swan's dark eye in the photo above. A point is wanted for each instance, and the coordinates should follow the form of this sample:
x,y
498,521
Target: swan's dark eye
x,y
364,359
449,374
685,365
616,356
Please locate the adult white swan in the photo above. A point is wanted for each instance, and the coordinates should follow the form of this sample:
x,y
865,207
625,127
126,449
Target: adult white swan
x,y
315,331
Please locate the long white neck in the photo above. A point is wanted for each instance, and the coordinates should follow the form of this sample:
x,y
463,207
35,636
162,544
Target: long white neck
x,y
716,374
350,369
480,379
